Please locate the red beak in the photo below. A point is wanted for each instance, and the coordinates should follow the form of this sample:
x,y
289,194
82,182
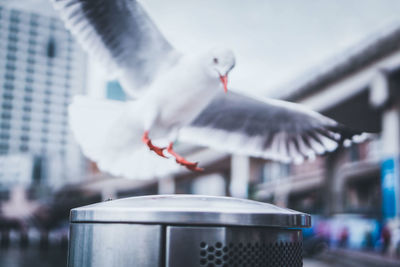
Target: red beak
x,y
224,80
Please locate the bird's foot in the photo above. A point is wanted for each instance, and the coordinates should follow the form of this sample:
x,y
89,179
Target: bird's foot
x,y
158,150
189,165
182,161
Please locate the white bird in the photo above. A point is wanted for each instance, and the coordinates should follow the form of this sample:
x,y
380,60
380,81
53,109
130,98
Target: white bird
x,y
177,97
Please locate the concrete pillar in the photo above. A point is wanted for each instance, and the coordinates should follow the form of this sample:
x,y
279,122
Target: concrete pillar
x,y
333,200
240,175
379,90
338,187
390,162
391,132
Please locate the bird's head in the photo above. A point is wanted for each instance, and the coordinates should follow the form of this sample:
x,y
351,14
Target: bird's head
x,y
221,62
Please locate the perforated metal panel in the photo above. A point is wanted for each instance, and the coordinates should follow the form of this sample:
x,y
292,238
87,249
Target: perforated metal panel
x,y
251,254
233,246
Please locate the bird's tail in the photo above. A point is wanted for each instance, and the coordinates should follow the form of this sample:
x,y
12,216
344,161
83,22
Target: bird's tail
x,y
110,134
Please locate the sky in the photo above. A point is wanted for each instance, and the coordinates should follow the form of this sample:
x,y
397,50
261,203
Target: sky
x,y
274,41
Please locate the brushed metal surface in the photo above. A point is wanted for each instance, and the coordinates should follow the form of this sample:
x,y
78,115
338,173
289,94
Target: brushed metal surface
x,y
115,245
191,210
184,245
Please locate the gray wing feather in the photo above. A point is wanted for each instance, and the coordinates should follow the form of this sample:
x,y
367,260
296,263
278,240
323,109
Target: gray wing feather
x,y
120,34
267,128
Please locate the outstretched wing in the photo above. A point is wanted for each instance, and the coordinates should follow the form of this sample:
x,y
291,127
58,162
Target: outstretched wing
x,y
121,35
113,140
267,128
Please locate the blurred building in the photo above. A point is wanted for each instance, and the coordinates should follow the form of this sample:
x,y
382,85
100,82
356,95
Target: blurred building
x,y
358,89
41,67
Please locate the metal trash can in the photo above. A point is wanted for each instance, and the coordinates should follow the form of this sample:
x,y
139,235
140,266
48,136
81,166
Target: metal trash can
x,y
185,230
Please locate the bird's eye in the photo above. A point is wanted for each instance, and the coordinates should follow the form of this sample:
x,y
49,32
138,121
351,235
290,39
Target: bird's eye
x,y
215,60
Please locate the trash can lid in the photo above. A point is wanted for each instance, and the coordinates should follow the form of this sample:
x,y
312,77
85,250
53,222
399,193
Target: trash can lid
x,y
190,210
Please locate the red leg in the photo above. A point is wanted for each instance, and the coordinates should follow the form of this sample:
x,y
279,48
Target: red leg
x,y
159,150
182,161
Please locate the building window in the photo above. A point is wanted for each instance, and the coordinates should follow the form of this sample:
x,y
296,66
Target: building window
x,y
6,115
33,32
25,128
5,136
34,23
3,146
9,76
5,126
23,147
8,96
10,67
26,118
7,105
12,37
13,28
51,48
8,86
30,70
11,57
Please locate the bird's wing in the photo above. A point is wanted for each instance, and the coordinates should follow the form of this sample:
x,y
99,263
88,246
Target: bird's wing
x,y
109,136
121,35
266,128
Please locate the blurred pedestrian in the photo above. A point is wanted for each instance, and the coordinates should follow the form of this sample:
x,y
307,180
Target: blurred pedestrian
x,y
344,237
368,240
386,238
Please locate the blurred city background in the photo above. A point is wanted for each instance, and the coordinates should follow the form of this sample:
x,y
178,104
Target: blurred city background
x,y
353,193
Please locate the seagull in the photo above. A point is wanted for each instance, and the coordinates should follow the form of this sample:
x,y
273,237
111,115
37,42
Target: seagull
x,y
178,97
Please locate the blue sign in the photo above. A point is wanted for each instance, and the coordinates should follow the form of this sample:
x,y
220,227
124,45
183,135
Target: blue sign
x,y
390,175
